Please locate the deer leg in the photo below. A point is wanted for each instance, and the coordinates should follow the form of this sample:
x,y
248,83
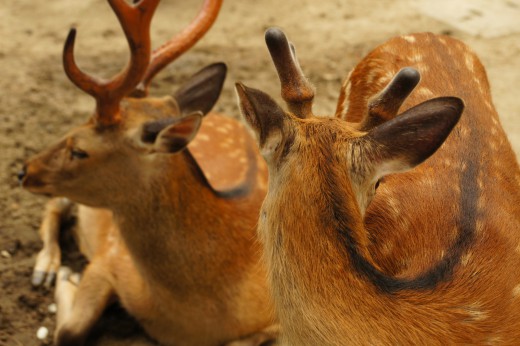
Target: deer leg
x,y
80,303
49,258
266,336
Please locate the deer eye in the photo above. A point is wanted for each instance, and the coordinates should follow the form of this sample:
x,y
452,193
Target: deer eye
x,y
78,154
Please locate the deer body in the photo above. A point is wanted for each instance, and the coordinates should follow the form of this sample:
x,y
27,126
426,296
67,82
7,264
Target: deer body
x,y
187,280
432,256
160,289
179,253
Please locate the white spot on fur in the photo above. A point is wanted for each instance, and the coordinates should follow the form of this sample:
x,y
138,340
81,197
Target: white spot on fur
x,y
387,49
228,143
463,130
456,188
387,248
425,92
494,340
261,183
416,57
516,291
470,62
203,137
409,38
346,87
228,126
388,76
480,226
393,205
475,312
447,162
478,83
235,154
480,183
466,258
372,75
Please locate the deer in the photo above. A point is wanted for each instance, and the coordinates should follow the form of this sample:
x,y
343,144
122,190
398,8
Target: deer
x,y
168,203
396,220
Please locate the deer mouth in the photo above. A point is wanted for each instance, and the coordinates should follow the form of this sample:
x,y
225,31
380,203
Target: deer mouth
x,y
36,186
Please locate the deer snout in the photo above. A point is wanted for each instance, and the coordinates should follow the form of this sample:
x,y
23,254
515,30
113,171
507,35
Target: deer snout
x,y
27,177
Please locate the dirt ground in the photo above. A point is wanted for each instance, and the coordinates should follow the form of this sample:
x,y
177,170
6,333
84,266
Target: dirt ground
x,y
38,103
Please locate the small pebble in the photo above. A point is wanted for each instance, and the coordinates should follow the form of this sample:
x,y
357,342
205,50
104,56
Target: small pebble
x,y
42,333
52,308
6,254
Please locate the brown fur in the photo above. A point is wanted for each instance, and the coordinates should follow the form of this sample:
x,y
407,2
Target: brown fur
x,y
435,258
175,245
181,259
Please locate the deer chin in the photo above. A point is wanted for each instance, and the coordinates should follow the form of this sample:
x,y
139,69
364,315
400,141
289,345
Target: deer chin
x,y
38,187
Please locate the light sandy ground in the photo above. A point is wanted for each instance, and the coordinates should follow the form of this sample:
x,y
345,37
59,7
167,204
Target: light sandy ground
x,y
38,103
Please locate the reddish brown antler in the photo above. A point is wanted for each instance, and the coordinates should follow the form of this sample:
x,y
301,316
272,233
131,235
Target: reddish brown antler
x,y
135,21
172,49
297,92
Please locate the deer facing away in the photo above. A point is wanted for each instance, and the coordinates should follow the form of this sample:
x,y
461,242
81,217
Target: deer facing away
x,y
180,255
432,256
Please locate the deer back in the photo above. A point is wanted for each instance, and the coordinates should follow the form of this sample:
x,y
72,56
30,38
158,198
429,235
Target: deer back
x,y
472,182
400,224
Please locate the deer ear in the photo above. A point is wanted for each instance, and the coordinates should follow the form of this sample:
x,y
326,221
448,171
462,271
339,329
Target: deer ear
x,y
201,91
178,135
263,115
407,140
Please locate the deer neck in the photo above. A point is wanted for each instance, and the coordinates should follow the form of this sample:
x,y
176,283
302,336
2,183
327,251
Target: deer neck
x,y
175,210
311,246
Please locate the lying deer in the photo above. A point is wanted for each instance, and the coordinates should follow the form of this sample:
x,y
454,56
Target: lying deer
x,y
433,256
179,254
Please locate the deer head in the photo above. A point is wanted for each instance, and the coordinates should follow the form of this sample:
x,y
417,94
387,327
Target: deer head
x,y
303,151
129,135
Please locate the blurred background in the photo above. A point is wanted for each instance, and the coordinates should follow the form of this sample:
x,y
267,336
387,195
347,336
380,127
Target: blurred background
x,y
39,104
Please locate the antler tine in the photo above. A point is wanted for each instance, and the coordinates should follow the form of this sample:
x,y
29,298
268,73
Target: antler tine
x,y
90,85
173,48
297,92
385,105
135,21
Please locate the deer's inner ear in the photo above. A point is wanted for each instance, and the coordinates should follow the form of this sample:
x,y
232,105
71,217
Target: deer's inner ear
x,y
178,135
264,116
407,140
151,129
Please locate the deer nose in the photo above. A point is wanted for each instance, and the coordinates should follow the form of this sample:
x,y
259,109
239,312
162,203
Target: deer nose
x,y
21,174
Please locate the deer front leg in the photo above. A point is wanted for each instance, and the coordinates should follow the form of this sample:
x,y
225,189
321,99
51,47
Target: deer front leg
x,y
49,258
266,336
80,303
